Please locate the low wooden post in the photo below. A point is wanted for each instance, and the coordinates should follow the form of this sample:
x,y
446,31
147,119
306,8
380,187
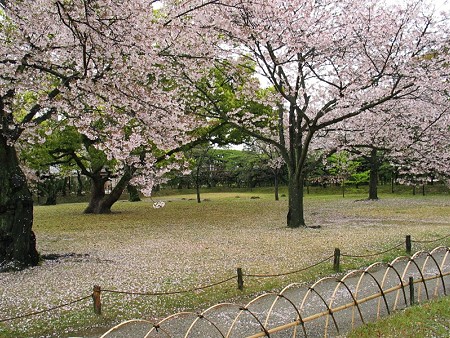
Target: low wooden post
x,y
408,244
96,297
337,260
240,279
412,300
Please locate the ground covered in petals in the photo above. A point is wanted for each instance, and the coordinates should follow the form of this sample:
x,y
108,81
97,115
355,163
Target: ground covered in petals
x,y
185,245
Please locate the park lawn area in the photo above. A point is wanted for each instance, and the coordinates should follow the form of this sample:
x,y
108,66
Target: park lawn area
x,y
186,245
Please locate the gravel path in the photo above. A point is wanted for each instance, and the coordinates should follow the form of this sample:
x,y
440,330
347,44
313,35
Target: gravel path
x,y
271,311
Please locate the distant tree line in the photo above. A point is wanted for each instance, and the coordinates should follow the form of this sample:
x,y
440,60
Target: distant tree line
x,y
210,167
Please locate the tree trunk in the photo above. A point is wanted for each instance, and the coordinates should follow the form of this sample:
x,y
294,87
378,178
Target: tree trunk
x,y
373,180
295,216
100,203
17,240
97,195
197,184
277,198
133,193
197,189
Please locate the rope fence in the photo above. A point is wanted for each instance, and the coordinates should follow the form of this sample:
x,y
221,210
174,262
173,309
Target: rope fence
x,y
172,292
97,290
290,272
431,241
374,254
46,310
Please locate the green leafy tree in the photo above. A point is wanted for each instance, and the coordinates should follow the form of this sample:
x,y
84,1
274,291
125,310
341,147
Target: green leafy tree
x,y
343,167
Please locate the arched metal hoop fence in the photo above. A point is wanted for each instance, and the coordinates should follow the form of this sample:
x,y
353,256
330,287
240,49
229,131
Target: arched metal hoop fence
x,y
328,307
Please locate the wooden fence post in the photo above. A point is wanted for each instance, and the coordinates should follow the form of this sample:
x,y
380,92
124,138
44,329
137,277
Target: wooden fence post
x,y
337,260
412,300
97,300
408,244
240,279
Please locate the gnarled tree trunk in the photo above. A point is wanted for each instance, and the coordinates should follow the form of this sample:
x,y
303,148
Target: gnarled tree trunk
x,y
97,195
101,203
17,240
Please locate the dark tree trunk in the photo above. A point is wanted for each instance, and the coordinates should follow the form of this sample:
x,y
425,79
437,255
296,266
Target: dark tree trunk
x,y
133,193
373,178
100,203
295,217
277,198
197,189
197,184
17,240
394,180
97,195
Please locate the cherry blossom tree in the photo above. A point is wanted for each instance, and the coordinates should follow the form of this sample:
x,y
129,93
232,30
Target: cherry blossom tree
x,y
328,61
412,137
427,155
97,64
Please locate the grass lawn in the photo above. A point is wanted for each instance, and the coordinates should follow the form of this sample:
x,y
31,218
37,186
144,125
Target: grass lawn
x,y
185,245
428,320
